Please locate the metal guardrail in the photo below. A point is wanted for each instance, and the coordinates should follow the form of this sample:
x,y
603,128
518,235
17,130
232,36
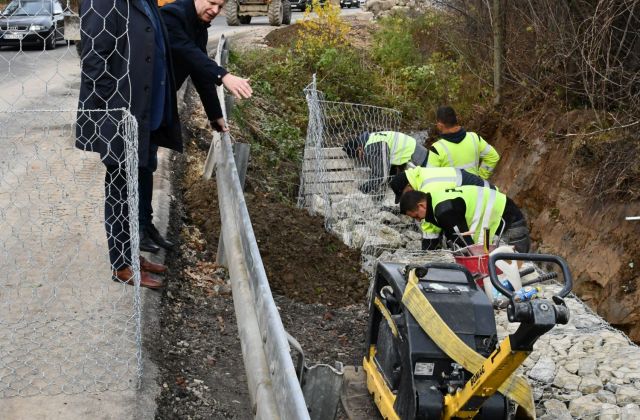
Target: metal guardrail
x,y
274,387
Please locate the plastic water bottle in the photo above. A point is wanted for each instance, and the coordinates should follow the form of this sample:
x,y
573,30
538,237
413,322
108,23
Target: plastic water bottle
x,y
526,293
507,285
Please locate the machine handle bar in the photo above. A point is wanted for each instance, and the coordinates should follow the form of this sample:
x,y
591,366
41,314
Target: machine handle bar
x,y
421,270
493,275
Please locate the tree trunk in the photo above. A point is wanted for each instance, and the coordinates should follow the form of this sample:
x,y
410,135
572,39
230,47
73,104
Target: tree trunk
x,y
499,30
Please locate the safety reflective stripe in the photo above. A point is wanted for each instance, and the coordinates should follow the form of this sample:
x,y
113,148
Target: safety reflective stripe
x,y
487,167
488,209
386,164
486,184
403,144
439,179
486,151
476,144
394,148
458,177
448,152
426,235
466,166
477,213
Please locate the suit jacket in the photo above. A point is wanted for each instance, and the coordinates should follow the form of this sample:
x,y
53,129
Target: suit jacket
x,y
117,64
188,38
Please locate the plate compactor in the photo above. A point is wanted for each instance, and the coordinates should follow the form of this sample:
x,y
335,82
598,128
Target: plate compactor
x,y
433,351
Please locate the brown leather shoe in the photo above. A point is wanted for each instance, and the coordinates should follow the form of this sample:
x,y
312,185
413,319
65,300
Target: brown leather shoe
x,y
146,279
151,267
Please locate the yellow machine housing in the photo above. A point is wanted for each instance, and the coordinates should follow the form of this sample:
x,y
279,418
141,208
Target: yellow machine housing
x,y
432,346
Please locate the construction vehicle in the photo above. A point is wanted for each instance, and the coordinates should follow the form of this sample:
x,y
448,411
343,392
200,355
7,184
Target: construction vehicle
x,y
432,347
241,11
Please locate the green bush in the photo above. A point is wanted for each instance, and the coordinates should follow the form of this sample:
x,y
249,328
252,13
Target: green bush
x,y
394,47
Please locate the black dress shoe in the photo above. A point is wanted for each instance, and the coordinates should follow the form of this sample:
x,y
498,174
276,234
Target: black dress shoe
x,y
147,244
153,233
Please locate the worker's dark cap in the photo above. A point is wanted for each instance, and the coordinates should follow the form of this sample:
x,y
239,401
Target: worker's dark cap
x,y
352,145
398,183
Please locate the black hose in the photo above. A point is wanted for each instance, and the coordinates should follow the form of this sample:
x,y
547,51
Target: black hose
x,y
527,271
540,279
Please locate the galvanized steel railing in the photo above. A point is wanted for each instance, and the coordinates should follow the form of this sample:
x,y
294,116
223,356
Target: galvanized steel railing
x,y
273,384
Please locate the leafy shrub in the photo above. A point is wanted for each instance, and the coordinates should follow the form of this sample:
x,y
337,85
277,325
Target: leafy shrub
x,y
326,31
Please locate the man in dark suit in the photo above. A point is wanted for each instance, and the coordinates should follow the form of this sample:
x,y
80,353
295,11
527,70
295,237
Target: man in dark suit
x,y
125,65
187,22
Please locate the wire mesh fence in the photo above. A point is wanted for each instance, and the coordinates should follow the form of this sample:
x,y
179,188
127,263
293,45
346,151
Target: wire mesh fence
x,y
350,189
65,326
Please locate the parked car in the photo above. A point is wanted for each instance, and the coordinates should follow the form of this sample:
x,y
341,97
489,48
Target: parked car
x,y
300,4
32,22
349,3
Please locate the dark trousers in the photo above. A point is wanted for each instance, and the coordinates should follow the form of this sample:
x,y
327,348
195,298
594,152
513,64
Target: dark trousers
x,y
145,187
116,217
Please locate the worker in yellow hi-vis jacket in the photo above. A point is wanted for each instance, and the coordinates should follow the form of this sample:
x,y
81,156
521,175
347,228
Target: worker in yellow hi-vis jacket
x,y
459,148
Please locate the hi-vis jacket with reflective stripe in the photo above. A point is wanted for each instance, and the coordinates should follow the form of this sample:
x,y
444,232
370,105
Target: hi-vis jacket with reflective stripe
x,y
472,154
428,180
431,179
385,149
483,209
401,146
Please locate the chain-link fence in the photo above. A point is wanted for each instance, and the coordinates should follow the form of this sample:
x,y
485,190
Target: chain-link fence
x,y
350,188
65,326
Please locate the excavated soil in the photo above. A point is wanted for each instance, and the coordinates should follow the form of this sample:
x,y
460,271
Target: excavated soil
x,y
302,260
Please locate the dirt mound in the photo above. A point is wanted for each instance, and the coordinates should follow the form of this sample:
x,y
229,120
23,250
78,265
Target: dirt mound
x,y
301,259
286,36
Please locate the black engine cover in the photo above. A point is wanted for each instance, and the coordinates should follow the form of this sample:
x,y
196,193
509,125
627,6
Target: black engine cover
x,y
415,367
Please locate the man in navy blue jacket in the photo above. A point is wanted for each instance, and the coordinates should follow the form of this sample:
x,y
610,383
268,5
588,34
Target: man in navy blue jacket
x,y
125,65
187,22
